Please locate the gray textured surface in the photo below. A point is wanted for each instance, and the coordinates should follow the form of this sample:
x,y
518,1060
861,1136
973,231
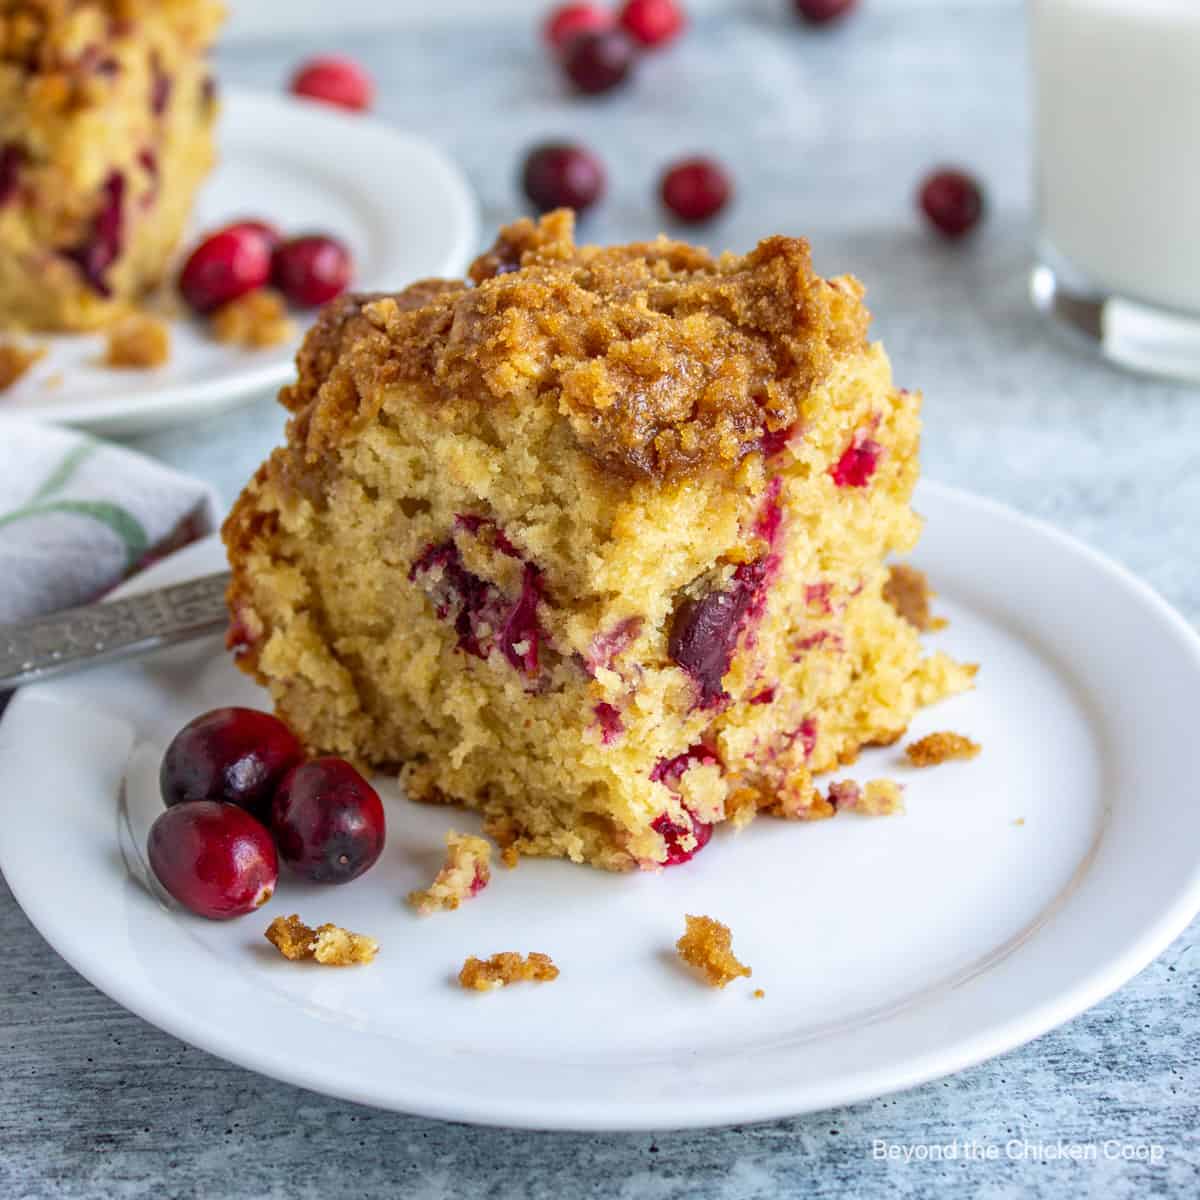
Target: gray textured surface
x,y
827,135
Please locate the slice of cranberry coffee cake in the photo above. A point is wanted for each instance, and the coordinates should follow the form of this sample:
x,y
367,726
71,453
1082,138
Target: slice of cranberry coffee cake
x,y
594,546
107,110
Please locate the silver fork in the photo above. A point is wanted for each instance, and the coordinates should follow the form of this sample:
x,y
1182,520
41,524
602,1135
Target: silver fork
x,y
99,633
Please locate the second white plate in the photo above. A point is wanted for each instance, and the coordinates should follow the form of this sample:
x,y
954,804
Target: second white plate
x,y
403,208
1017,890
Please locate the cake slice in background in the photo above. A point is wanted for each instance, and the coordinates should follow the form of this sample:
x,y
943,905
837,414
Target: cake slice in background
x,y
595,546
106,132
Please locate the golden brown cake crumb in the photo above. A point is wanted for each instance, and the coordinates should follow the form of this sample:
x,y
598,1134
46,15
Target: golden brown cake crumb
x,y
510,857
1019,821
329,945
759,994
507,967
257,320
907,590
15,360
881,798
138,341
707,945
464,874
937,748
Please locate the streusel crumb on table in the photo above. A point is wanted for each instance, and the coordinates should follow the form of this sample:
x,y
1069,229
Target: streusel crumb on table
x,y
107,110
593,543
464,874
330,945
486,975
707,945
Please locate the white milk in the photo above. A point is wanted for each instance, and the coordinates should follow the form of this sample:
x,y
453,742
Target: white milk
x,y
1118,143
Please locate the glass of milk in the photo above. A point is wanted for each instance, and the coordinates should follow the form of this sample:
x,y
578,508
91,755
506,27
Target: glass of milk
x,y
1117,97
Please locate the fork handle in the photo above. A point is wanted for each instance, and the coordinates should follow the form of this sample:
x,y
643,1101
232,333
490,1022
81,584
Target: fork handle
x,y
98,633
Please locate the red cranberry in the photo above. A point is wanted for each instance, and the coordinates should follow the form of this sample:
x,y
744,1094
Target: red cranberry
x,y
672,833
328,821
12,159
695,189
598,62
311,270
822,12
335,80
161,87
226,265
258,228
237,755
953,201
857,465
97,253
705,631
652,22
215,859
570,20
558,175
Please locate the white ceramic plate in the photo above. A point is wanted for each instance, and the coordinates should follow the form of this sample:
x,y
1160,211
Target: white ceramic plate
x,y
1018,890
403,208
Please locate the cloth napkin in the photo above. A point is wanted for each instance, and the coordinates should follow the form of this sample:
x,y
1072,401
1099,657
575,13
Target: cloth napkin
x,y
78,515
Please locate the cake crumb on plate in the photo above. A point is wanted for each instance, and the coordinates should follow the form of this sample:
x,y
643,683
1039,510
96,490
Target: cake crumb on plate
x,y
878,798
907,590
504,968
881,798
256,321
758,994
464,874
138,341
329,945
15,360
707,945
935,748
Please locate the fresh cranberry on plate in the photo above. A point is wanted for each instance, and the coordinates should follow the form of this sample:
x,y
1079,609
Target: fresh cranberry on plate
x,y
652,23
570,20
696,189
335,80
560,175
328,821
311,270
226,265
256,227
215,859
237,755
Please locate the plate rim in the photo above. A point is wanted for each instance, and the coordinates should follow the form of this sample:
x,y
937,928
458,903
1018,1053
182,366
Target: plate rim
x,y
1108,971
205,397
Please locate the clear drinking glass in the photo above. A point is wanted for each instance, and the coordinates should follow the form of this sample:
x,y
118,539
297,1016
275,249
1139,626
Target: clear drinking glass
x,y
1117,100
